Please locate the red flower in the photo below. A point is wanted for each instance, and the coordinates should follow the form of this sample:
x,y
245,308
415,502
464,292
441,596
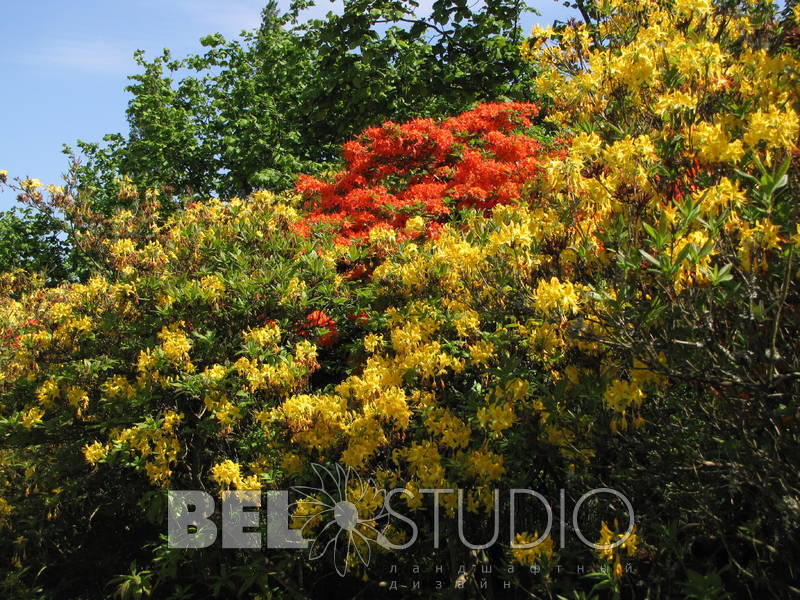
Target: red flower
x,y
357,272
319,320
360,318
475,160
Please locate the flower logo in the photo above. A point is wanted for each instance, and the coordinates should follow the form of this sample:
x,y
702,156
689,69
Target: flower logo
x,y
350,508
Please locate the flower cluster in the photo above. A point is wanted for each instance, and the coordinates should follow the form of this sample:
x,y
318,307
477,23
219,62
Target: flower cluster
x,y
408,177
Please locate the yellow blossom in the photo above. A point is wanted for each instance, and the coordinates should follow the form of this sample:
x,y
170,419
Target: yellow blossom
x,y
622,395
414,225
779,127
94,452
372,342
556,295
268,335
175,344
32,417
527,552
227,474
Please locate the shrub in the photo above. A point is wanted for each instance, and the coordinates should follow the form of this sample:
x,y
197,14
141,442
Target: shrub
x,y
463,306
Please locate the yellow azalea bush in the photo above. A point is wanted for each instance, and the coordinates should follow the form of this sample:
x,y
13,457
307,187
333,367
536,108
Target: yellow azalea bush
x,y
629,321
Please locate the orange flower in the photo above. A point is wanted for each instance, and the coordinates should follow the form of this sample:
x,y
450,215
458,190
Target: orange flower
x,y
425,169
320,320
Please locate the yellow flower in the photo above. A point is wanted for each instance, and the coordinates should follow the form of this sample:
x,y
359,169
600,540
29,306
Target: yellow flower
x,y
224,410
306,514
467,323
292,463
515,390
214,373
778,127
699,7
451,430
158,472
496,417
638,67
147,360
767,234
674,101
5,511
714,145
118,386
268,335
305,353
78,398
175,344
529,556
481,353
555,295
573,375
621,395
212,287
31,184
123,247
295,290
382,236
586,145
227,474
372,342
629,544
94,452
47,393
171,420
485,466
263,197
414,225
32,417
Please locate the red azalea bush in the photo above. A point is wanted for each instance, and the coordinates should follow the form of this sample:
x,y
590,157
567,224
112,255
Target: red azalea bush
x,y
393,172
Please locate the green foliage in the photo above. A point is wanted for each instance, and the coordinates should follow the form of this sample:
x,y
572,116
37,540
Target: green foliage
x,y
31,240
251,113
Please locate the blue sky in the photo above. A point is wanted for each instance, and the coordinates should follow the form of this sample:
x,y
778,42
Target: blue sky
x,y
64,66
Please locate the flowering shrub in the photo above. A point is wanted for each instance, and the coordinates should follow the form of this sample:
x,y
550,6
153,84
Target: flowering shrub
x,y
622,312
397,174
156,369
682,185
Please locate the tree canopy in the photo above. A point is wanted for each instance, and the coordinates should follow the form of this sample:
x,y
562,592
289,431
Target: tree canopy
x,y
253,112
